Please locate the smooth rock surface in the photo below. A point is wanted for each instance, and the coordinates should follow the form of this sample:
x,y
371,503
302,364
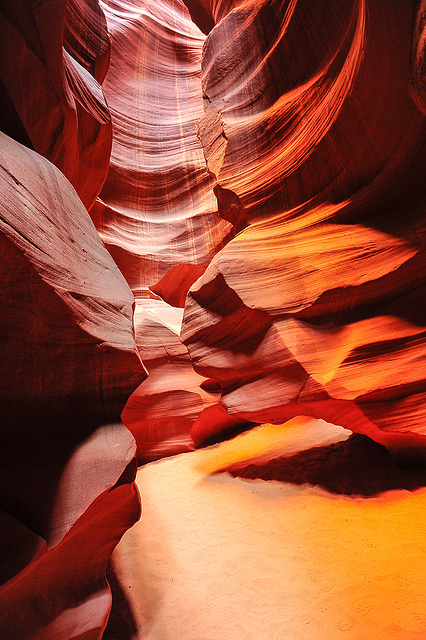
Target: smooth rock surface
x,y
157,209
163,409
69,362
317,308
267,178
49,86
67,321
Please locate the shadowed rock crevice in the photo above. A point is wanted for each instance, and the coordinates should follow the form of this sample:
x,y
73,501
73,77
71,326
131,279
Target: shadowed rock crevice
x,y
231,208
201,15
359,467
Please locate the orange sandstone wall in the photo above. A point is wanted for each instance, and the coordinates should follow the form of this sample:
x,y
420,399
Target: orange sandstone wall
x,y
318,307
255,170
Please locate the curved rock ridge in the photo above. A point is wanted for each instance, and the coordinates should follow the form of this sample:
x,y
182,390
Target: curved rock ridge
x,y
267,177
318,308
163,409
327,322
57,53
174,286
418,58
86,36
157,209
56,588
67,302
175,410
69,362
307,103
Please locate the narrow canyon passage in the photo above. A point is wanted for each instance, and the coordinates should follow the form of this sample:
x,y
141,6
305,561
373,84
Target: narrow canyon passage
x,y
212,289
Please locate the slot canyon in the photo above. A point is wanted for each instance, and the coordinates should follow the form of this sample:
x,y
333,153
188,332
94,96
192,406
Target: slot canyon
x,y
213,319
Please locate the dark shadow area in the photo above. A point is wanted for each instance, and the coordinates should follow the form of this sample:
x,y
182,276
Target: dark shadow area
x,y
230,432
200,15
359,466
10,122
121,624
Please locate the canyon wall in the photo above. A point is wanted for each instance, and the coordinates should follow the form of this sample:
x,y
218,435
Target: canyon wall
x,y
69,359
230,191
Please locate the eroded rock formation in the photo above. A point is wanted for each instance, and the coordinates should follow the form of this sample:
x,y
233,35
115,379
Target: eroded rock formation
x,y
161,412
157,209
317,310
69,362
313,132
55,55
266,176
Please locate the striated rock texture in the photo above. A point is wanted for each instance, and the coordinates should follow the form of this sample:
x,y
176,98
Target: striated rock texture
x,y
69,362
266,175
67,333
418,58
55,55
162,410
307,339
309,103
313,132
157,209
318,308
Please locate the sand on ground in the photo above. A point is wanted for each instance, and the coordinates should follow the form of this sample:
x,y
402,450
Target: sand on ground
x,y
216,557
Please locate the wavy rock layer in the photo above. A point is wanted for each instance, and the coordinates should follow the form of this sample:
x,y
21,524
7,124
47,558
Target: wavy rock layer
x,y
318,308
175,409
157,209
162,410
67,302
310,104
313,132
305,121
51,99
306,340
55,578
69,362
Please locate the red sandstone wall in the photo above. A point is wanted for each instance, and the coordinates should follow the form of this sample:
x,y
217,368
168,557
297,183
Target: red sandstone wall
x,y
259,164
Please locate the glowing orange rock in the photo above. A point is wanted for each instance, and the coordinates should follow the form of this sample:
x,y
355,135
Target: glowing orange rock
x,y
318,310
304,120
307,103
323,322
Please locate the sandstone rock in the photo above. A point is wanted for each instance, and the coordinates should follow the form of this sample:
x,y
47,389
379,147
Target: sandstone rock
x,y
62,590
157,209
294,132
271,322
307,103
67,333
317,309
69,362
174,286
86,36
50,100
418,58
162,411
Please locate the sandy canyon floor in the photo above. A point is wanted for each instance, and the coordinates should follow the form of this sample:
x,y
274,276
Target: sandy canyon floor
x,y
217,557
